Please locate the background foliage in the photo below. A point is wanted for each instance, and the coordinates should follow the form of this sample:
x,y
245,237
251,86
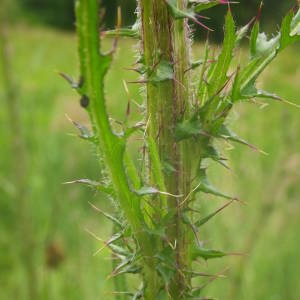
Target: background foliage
x,y
59,13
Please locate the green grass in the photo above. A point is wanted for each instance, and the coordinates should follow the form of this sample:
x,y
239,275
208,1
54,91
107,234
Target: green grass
x,y
60,213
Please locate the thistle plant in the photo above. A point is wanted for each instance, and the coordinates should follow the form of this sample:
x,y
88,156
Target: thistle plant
x,y
187,104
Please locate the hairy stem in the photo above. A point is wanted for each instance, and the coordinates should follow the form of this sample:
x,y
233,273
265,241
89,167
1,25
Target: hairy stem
x,y
165,42
93,67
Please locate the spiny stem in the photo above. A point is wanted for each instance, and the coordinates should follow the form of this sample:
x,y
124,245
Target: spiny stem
x,y
166,40
93,67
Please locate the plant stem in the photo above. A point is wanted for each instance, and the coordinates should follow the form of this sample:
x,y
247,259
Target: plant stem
x,y
166,40
93,67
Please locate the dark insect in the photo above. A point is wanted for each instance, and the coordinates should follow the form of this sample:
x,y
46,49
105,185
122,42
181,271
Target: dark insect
x,y
84,101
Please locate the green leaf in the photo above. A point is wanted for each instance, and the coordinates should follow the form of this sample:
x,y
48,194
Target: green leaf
x,y
206,4
187,129
167,257
93,184
207,253
108,216
124,32
285,38
162,295
147,191
206,187
166,273
202,87
178,13
250,73
209,151
197,63
127,269
132,171
118,250
157,231
242,32
295,24
210,216
182,14
218,76
162,72
265,94
156,164
85,133
151,190
253,39
227,134
290,29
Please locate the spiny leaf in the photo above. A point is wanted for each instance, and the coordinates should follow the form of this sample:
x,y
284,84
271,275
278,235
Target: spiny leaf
x,y
124,32
166,273
85,133
138,295
201,274
131,171
207,253
263,51
210,216
168,168
242,32
290,29
253,39
226,133
265,94
146,191
163,71
157,167
166,256
197,63
113,239
118,250
206,4
182,14
151,190
209,151
126,266
202,87
206,187
108,216
295,24
157,231
93,184
197,291
218,76
187,129
130,269
69,79
131,130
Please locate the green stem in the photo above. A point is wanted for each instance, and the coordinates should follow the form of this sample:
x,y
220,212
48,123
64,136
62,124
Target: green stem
x,y
93,66
166,40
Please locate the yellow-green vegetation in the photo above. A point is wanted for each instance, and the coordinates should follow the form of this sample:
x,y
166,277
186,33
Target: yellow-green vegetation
x,y
267,228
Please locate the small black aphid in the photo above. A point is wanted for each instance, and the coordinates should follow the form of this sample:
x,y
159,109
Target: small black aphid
x,y
84,101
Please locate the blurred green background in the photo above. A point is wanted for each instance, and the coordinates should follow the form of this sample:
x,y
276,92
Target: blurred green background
x,y
46,250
